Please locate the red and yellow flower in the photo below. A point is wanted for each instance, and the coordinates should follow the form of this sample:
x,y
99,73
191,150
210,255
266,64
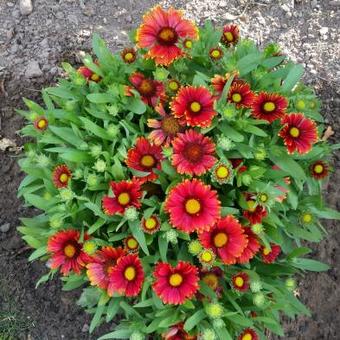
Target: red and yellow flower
x,y
67,251
151,91
131,245
241,95
222,173
212,277
61,176
206,258
269,106
248,334
151,224
177,332
128,55
230,35
269,255
166,128
319,169
240,281
216,53
161,32
218,82
104,261
126,194
251,249
226,239
174,285
40,123
88,74
193,153
127,276
193,206
298,132
145,157
195,104
255,212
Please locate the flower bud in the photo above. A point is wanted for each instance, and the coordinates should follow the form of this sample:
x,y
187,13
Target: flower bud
x,y
100,165
95,150
259,299
208,334
290,284
257,228
214,310
66,194
137,336
92,180
255,286
194,247
171,236
90,247
131,214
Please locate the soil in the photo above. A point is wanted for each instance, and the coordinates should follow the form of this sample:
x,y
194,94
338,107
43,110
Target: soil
x,y
31,50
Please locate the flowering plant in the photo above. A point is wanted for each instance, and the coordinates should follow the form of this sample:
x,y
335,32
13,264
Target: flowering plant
x,y
177,181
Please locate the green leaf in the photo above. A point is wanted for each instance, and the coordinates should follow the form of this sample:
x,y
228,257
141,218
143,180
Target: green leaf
x,y
194,320
119,334
96,318
311,265
273,61
294,75
249,63
136,105
230,132
66,134
163,247
94,227
240,320
112,309
73,282
101,98
298,252
95,129
223,334
38,253
139,235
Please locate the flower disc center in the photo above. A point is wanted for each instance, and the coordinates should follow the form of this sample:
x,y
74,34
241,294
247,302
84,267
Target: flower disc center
x,y
239,281
318,169
150,223
251,205
236,97
195,107
266,251
269,106
220,240
132,243
175,280
63,178
70,250
294,132
148,161
222,172
170,125
123,198
229,36
167,36
147,88
130,273
193,153
247,337
192,206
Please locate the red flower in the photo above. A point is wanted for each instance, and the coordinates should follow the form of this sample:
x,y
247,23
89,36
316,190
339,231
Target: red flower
x,y
67,252
177,332
192,153
193,206
212,277
218,82
151,224
126,194
100,269
88,74
241,95
255,212
195,104
226,239
270,255
319,169
161,31
131,245
231,35
174,285
129,55
166,128
269,106
41,123
299,133
248,334
236,162
240,282
145,157
151,91
216,53
61,175
251,249
127,276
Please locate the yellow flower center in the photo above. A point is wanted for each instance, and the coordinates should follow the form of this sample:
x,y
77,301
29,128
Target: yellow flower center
x,y
188,44
211,280
307,218
192,206
130,273
167,36
195,107
123,198
173,85
147,87
266,251
239,281
269,106
236,97
318,169
215,53
132,243
294,132
150,223
229,36
69,250
41,124
95,77
222,172
251,205
247,336
63,178
170,125
206,256
263,198
148,161
220,240
175,280
128,56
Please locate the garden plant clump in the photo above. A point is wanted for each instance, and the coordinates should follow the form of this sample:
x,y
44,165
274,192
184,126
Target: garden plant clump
x,y
177,181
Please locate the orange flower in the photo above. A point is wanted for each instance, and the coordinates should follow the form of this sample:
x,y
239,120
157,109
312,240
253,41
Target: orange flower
x,y
61,176
231,35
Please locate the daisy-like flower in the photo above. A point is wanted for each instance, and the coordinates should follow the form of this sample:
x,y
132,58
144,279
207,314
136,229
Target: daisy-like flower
x,y
212,277
173,85
269,106
240,282
128,55
145,157
127,276
174,285
193,153
193,206
61,176
131,245
248,334
319,169
88,74
40,123
251,249
218,82
216,53
151,91
126,194
67,251
166,128
206,257
230,35
270,255
100,269
160,33
241,95
299,133
151,224
222,173
177,332
195,104
187,43
226,239
255,212
306,217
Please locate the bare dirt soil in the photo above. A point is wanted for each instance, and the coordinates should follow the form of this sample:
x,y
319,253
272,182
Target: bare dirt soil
x,y
31,49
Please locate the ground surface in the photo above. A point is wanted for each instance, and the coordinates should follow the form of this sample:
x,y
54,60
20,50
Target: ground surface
x,y
31,49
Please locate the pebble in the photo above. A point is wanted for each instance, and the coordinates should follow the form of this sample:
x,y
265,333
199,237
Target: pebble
x,y
26,7
85,328
314,3
323,30
33,70
5,227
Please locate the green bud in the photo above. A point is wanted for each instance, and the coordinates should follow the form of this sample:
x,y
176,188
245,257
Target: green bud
x,y
194,247
131,214
90,247
225,143
171,236
95,150
259,299
218,323
71,105
78,173
56,222
260,154
92,180
209,334
255,286
257,228
246,179
100,165
137,336
66,194
83,146
113,130
214,310
290,284
300,104
43,161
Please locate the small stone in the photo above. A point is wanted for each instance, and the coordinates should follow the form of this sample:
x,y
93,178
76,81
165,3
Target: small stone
x,y
5,227
314,3
85,328
26,7
33,70
323,30
334,3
